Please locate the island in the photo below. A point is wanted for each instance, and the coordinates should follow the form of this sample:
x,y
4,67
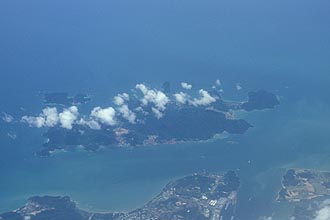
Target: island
x,y
63,98
260,100
177,126
201,196
145,116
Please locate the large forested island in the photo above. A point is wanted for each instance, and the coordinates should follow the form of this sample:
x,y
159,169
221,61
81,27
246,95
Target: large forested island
x,y
145,117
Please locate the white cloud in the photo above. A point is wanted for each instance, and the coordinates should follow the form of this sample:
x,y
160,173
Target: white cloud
x,y
121,98
181,98
92,124
68,117
266,218
34,121
51,116
104,115
186,85
218,82
238,87
157,113
12,135
205,99
6,117
127,113
140,109
158,98
142,88
324,212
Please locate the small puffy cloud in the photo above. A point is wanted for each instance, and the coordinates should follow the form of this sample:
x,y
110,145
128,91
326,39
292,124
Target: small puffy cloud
x,y
141,110
186,85
51,116
157,113
121,98
127,113
92,124
158,98
218,82
34,121
266,218
238,87
12,135
161,100
181,98
6,117
68,117
142,88
118,100
104,115
204,99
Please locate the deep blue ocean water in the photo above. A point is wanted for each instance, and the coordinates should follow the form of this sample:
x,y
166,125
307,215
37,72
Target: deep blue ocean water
x,y
106,47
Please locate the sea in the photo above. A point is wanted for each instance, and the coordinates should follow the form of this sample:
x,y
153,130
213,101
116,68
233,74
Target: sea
x,y
106,47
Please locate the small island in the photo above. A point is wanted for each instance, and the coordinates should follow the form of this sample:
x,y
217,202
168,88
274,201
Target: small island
x,y
201,196
63,98
260,100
